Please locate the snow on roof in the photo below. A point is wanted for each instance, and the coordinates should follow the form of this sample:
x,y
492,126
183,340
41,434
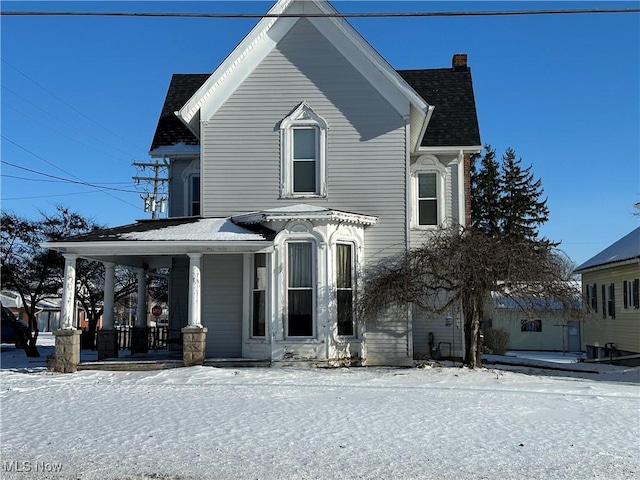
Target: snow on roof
x,y
204,229
302,211
626,248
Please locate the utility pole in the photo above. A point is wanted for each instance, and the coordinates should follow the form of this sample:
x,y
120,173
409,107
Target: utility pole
x,y
156,200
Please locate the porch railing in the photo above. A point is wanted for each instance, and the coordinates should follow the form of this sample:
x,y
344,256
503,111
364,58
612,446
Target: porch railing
x,y
157,337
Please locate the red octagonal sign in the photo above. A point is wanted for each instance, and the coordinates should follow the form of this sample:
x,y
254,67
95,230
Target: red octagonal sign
x,y
156,311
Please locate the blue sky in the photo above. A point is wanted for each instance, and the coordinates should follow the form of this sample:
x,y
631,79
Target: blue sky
x,y
81,96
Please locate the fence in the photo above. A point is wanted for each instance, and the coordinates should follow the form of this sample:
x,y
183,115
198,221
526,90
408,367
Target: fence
x,y
157,338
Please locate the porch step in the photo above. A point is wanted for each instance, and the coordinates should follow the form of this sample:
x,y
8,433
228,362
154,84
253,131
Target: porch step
x,y
236,362
130,365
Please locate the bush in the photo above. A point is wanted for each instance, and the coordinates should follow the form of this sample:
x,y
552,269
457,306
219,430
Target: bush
x,y
497,339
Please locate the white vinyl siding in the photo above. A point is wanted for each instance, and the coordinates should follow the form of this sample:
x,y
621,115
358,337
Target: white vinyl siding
x,y
366,149
222,304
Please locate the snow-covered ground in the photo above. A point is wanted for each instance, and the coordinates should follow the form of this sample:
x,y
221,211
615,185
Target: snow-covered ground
x,y
288,423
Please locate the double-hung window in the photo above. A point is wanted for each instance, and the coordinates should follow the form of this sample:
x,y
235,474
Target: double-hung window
x,y
303,139
194,195
429,178
631,289
592,297
300,289
428,198
345,287
259,291
305,160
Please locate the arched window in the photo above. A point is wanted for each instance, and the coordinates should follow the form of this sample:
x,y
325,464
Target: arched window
x,y
303,153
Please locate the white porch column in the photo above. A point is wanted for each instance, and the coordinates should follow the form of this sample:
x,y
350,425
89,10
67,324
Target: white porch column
x,y
107,314
194,289
68,292
141,318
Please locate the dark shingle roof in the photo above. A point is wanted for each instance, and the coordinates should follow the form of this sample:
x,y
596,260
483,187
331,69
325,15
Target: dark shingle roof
x,y
454,121
627,248
170,129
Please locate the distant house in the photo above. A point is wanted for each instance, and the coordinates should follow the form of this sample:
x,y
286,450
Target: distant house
x,y
302,159
547,332
47,311
610,286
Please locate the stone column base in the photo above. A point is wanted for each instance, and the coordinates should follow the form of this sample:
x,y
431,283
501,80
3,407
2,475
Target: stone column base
x,y
193,345
140,340
67,356
107,344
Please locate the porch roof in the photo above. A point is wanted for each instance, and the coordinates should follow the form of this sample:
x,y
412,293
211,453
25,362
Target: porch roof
x,y
154,242
304,212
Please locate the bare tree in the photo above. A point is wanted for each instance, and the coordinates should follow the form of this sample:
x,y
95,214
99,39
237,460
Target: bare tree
x,y
462,267
32,271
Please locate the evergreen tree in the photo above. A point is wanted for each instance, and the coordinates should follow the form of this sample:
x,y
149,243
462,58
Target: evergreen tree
x,y
486,186
522,210
505,198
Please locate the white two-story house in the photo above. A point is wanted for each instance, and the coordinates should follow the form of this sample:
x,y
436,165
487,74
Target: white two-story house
x,y
302,159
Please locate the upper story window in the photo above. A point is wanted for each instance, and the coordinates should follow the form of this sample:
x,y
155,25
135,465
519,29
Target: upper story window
x,y
428,183
192,190
194,195
303,152
428,199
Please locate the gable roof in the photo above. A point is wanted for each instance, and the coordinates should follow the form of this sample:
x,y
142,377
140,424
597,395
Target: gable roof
x,y
171,130
627,248
266,35
454,121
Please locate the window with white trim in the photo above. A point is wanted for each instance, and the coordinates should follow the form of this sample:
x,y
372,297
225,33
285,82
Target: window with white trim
x,y
303,151
300,289
345,288
632,293
259,295
191,190
592,297
608,301
428,183
194,196
428,199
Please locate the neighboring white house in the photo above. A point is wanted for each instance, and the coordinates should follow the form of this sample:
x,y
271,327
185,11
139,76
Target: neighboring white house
x,y
302,159
549,331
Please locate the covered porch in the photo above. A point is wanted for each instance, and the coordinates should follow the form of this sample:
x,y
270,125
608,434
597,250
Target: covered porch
x,y
191,248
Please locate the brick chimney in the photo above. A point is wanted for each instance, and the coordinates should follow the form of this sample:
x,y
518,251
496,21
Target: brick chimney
x,y
459,62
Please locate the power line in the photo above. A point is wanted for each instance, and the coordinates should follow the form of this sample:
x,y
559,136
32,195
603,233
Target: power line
x,y
64,134
67,180
63,170
328,15
68,104
49,196
5,175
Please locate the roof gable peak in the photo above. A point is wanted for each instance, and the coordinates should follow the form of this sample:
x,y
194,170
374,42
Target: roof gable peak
x,y
266,35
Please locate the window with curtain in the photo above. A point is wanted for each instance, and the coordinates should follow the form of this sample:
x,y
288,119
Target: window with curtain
x,y
427,199
344,284
300,291
259,295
